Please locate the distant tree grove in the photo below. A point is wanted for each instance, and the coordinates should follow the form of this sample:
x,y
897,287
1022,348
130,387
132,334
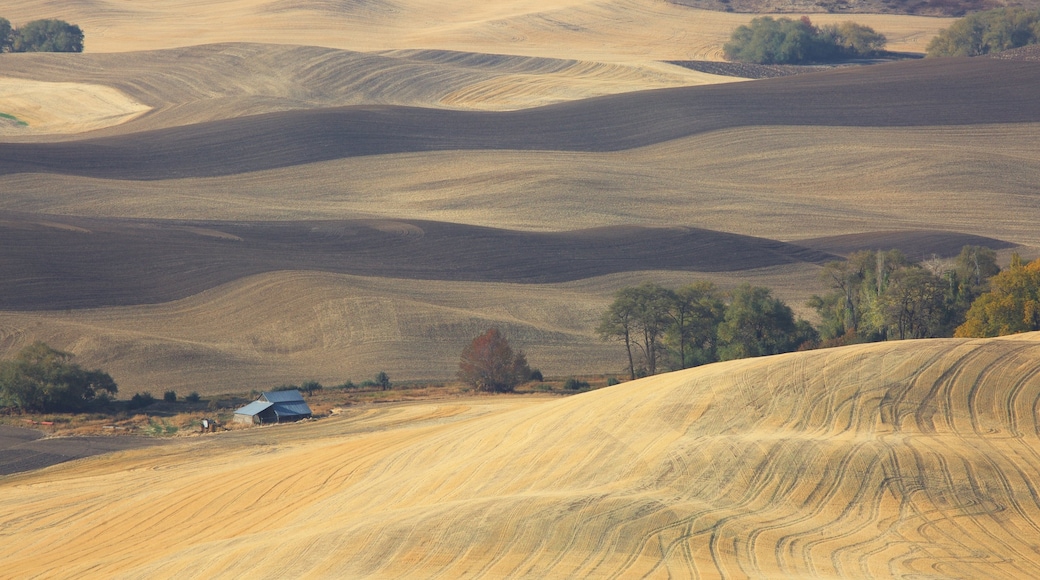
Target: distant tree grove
x,y
698,324
785,41
41,36
872,296
989,31
42,379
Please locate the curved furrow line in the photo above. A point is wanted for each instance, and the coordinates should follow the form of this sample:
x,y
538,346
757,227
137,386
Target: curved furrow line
x,y
871,496
1030,378
895,394
798,546
982,381
941,388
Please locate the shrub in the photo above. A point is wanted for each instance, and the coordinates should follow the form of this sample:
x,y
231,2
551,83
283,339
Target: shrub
x,y
613,381
573,384
140,400
193,397
170,397
310,386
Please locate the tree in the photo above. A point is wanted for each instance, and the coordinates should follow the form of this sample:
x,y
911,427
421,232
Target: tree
x,y
756,324
639,317
47,36
695,314
785,41
986,32
5,35
1012,304
42,379
618,322
914,305
383,380
488,364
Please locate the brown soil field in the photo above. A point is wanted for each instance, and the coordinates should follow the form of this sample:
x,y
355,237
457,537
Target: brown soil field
x,y
24,449
886,460
939,92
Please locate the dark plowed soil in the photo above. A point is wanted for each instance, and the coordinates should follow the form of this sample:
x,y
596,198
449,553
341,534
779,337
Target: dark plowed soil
x,y
746,70
27,449
77,262
927,92
917,245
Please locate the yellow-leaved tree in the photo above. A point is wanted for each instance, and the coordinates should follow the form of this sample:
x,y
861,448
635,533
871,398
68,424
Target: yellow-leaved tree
x,y
1012,304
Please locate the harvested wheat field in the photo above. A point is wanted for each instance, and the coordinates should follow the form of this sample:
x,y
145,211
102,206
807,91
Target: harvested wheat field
x,y
227,196
889,460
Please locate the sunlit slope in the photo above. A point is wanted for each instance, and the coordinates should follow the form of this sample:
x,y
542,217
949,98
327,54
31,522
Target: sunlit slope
x,y
939,92
612,30
778,182
288,327
886,460
217,81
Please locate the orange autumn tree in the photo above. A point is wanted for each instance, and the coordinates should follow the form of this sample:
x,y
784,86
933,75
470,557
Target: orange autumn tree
x,y
488,364
1011,306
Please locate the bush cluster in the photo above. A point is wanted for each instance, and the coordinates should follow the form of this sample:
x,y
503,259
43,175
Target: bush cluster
x,y
986,32
785,41
41,36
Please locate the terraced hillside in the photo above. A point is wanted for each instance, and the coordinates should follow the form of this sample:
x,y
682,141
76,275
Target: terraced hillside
x,y
889,460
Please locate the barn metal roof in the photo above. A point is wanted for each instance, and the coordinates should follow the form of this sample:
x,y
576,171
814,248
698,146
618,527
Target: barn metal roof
x,y
290,396
254,408
287,403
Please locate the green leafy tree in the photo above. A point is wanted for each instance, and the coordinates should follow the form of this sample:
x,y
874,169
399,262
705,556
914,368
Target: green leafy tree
x,y
757,324
489,364
1012,304
47,36
42,379
383,380
695,313
989,31
785,41
618,323
914,304
5,35
639,317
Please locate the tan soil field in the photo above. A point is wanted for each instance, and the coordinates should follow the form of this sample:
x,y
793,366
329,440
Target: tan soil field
x,y
886,460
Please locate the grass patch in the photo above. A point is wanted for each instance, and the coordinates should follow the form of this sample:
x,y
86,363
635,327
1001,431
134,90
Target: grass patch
x,y
17,121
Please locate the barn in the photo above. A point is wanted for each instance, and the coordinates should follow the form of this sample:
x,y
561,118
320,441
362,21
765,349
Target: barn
x,y
274,407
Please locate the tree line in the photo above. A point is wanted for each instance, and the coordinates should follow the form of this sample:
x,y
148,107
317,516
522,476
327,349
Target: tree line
x,y
697,324
786,41
872,296
41,36
988,31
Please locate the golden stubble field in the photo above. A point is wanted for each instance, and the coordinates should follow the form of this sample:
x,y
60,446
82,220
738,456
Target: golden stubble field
x,y
886,460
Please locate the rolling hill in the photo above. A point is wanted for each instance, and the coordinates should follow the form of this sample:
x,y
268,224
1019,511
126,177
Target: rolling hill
x,y
885,460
